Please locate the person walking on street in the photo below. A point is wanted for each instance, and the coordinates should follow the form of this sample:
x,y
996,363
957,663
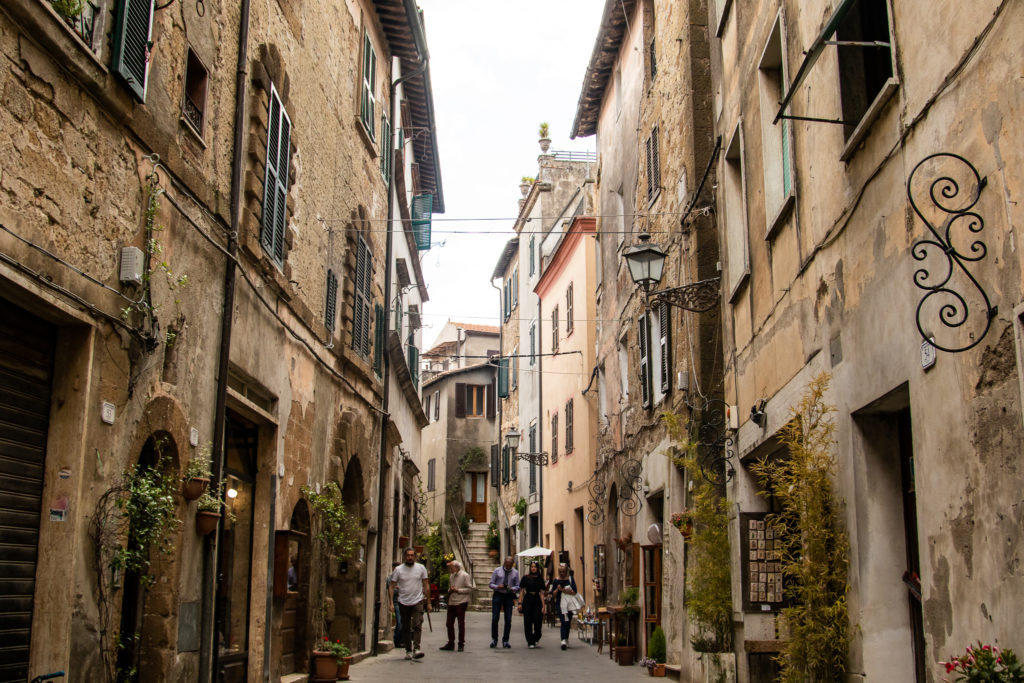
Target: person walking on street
x,y
531,604
460,587
563,591
505,584
413,590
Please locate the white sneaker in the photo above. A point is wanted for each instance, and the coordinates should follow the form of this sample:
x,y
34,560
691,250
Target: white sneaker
x,y
532,646
417,654
565,645
408,654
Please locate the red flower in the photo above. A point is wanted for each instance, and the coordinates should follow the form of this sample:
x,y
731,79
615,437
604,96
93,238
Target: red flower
x,y
949,666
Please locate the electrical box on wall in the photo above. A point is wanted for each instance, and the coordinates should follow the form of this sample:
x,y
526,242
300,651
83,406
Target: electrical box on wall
x,y
131,266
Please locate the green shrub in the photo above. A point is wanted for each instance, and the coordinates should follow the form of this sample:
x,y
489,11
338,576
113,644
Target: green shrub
x,y
656,645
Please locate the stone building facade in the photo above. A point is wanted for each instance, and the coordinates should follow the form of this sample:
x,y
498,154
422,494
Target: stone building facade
x,y
263,196
647,97
828,258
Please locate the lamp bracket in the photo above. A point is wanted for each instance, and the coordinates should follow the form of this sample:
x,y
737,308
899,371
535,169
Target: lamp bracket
x,y
532,458
697,297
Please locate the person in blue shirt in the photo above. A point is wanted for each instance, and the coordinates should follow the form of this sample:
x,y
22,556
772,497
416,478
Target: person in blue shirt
x,y
505,584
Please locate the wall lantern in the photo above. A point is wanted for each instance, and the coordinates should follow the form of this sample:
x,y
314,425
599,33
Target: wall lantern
x,y
646,264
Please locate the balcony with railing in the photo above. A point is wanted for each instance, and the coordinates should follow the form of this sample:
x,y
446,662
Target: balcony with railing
x,y
572,155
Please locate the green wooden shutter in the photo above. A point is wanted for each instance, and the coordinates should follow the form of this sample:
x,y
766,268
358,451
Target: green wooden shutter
x,y
533,240
132,33
413,355
275,181
361,301
378,339
503,377
422,210
385,148
495,465
568,427
367,103
331,304
504,464
787,180
643,338
533,343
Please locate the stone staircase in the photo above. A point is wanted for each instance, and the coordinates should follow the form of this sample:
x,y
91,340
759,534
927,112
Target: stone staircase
x,y
482,567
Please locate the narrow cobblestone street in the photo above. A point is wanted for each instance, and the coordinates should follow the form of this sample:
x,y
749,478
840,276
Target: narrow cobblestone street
x,y
479,662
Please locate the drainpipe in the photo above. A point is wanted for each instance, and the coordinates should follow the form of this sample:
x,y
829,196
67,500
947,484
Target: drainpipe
x,y
540,436
207,646
386,362
501,338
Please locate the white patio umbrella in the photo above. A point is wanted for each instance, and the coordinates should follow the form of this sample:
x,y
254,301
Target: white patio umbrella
x,y
535,551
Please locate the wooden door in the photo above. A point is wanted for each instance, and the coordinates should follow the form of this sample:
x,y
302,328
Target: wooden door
x,y
651,590
476,496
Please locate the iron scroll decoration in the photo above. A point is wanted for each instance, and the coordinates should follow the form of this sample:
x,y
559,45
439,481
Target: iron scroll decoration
x,y
630,501
957,202
598,498
709,430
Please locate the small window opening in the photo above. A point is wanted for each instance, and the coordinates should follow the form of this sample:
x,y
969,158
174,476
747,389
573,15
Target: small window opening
x,y
193,106
863,69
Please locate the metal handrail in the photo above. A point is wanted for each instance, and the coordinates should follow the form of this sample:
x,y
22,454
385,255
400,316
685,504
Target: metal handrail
x,y
453,523
571,155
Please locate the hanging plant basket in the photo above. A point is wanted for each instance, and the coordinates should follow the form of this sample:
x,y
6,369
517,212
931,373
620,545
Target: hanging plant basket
x,y
194,487
206,521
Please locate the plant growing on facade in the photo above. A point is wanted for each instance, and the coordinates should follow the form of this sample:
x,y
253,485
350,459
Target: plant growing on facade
x,y
334,525
473,457
133,519
708,580
815,554
520,509
985,663
69,9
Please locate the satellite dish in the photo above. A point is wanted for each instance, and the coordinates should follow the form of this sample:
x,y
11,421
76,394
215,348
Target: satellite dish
x,y
654,533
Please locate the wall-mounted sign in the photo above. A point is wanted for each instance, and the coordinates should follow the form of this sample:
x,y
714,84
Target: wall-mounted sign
x,y
761,555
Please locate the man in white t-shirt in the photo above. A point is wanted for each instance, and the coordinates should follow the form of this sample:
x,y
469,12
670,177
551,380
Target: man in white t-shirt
x,y
413,589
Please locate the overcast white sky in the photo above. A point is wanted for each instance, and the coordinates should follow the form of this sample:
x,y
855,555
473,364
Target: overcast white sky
x,y
498,68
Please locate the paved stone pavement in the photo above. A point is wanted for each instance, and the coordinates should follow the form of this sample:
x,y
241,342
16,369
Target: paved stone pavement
x,y
480,663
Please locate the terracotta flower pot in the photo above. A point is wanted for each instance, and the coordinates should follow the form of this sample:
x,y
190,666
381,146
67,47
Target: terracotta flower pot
x,y
492,553
343,668
325,666
403,542
625,654
658,670
419,550
206,521
194,487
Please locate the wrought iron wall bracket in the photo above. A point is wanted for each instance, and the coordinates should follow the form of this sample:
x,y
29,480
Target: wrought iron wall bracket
x,y
532,458
953,194
697,297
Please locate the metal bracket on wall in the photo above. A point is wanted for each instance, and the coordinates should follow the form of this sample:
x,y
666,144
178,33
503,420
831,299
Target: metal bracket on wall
x,y
709,430
952,187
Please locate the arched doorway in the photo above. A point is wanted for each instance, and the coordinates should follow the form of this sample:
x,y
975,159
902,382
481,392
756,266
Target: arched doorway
x,y
292,610
349,585
144,648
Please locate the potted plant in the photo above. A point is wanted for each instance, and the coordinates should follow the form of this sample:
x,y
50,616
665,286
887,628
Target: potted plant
x,y
69,9
986,663
683,521
210,505
656,648
493,540
544,141
331,660
336,530
626,652
524,184
196,476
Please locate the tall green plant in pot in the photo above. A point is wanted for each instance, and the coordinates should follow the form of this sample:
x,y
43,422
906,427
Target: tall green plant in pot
x,y
708,582
337,532
815,554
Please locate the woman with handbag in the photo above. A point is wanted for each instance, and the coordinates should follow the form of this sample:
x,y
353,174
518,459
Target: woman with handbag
x,y
567,600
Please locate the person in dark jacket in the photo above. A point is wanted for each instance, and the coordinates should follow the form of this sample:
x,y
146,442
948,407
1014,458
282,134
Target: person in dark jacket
x,y
531,604
563,584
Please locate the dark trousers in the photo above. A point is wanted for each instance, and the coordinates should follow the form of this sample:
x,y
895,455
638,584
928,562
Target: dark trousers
x,y
457,612
566,621
532,620
412,624
501,602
